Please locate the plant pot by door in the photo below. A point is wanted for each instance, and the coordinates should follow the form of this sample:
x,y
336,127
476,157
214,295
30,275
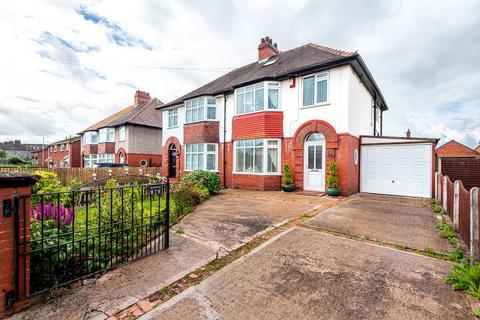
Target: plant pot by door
x,y
288,187
334,192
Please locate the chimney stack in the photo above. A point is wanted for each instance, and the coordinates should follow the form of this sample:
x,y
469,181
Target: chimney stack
x,y
141,97
267,48
408,133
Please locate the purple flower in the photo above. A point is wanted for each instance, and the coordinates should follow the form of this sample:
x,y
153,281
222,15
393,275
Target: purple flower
x,y
57,213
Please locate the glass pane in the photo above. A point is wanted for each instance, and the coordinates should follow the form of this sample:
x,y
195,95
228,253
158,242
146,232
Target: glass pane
x,y
322,91
194,161
272,142
240,103
240,160
189,115
211,147
210,162
259,142
194,103
189,148
259,160
249,101
249,143
194,147
272,159
308,89
200,147
311,157
259,98
188,165
316,136
201,115
318,157
259,85
272,98
200,161
211,113
240,143
211,101
248,159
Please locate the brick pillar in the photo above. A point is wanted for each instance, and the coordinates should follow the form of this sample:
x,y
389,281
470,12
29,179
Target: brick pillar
x,y
12,183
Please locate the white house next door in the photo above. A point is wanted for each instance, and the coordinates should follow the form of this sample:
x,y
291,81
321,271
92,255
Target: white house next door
x,y
314,162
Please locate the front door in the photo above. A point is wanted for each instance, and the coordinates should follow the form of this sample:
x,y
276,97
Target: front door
x,y
172,161
314,162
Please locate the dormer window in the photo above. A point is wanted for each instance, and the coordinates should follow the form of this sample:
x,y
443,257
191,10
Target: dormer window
x,y
200,109
259,97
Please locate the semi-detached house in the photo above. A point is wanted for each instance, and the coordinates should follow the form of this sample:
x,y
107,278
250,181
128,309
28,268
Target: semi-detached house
x,y
304,107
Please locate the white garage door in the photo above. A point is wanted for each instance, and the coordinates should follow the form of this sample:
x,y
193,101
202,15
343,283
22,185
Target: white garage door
x,y
397,169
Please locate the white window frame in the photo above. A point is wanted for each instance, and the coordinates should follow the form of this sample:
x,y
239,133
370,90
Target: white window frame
x,y
204,100
265,148
173,114
121,133
204,154
88,137
89,160
62,147
106,135
106,158
317,77
55,148
265,85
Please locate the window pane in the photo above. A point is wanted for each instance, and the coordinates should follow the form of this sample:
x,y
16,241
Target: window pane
x,y
249,101
259,142
200,161
211,147
272,98
240,160
194,161
248,159
318,157
308,89
259,160
189,115
240,143
272,159
200,147
211,162
322,90
189,162
189,148
194,115
211,101
240,103
211,113
311,157
201,114
259,98
194,147
249,143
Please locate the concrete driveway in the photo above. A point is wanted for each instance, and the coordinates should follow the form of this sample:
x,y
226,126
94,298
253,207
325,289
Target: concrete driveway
x,y
305,273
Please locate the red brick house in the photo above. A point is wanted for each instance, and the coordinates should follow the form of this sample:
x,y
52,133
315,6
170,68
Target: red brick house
x,y
304,107
40,157
133,136
64,153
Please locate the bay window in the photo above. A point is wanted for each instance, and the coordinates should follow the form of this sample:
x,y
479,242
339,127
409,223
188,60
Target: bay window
x,y
121,133
200,109
89,160
106,158
260,156
106,135
315,89
90,137
201,156
259,97
172,118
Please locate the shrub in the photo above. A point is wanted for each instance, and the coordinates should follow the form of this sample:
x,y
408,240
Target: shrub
x,y
211,180
184,197
333,178
466,278
287,175
15,160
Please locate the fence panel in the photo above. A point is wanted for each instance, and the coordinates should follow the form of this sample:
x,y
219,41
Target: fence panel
x,y
71,239
450,197
464,214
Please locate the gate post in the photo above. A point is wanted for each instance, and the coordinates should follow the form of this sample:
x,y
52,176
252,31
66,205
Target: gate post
x,y
11,184
456,205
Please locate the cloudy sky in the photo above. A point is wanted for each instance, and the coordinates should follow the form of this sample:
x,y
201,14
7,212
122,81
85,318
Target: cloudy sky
x,y
66,64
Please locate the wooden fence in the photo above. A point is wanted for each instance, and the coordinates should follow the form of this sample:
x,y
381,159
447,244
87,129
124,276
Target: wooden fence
x,y
86,175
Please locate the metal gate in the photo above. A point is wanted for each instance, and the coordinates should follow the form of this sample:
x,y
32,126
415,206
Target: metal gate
x,y
68,236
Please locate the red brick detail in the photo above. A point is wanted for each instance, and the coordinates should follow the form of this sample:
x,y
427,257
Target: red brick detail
x,y
256,182
201,132
73,153
141,97
266,124
153,160
106,147
90,149
166,147
120,152
267,48
348,171
455,149
227,180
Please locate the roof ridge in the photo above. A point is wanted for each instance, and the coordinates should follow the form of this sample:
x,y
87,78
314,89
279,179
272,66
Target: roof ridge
x,y
143,108
330,50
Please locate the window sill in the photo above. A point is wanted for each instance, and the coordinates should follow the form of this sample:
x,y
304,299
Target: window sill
x,y
316,105
208,120
258,174
216,171
173,127
266,110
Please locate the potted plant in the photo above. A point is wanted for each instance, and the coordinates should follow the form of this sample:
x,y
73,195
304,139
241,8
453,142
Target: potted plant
x,y
333,189
287,179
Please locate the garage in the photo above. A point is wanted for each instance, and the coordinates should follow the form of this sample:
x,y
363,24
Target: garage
x,y
397,166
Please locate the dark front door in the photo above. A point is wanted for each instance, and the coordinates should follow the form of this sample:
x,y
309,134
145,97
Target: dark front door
x,y
172,161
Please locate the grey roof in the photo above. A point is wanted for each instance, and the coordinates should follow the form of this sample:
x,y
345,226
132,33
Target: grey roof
x,y
298,61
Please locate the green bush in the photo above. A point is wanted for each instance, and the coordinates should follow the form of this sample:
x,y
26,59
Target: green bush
x,y
184,197
16,160
211,180
333,178
466,278
287,175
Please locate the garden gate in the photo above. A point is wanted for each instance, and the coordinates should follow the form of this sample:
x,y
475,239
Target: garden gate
x,y
68,236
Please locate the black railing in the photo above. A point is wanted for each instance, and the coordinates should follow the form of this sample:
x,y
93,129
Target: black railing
x,y
81,233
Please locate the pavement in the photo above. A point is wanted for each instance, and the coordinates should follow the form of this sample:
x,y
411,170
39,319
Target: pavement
x,y
306,273
226,221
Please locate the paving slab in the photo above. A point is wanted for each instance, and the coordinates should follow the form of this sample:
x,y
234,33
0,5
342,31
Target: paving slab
x,y
391,219
305,274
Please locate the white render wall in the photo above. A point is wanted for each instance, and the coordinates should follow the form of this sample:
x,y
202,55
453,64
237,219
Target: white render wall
x,y
360,102
176,131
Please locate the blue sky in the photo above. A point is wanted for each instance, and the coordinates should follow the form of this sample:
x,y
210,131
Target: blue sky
x,y
67,64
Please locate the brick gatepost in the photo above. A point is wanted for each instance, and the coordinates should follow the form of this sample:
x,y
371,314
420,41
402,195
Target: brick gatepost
x,y
11,184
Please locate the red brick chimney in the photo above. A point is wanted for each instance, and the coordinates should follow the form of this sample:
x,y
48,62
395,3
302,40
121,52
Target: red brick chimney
x,y
141,97
408,134
266,48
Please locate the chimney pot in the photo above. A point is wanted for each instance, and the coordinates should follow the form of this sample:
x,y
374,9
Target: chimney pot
x,y
408,133
141,97
266,48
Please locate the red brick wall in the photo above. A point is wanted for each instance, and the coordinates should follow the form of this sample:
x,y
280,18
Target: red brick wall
x,y
59,155
133,159
267,124
228,165
256,182
201,132
106,147
90,149
348,171
75,157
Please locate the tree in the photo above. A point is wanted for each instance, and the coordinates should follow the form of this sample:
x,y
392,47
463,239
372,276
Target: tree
x,y
3,154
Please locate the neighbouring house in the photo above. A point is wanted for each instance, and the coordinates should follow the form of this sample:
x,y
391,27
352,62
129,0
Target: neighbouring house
x,y
65,153
15,148
40,157
133,136
304,107
459,162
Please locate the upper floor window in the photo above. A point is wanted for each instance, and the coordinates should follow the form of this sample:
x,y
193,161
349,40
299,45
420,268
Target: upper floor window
x,y
315,89
55,148
67,146
259,97
62,147
90,137
172,118
200,109
106,135
201,156
121,133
